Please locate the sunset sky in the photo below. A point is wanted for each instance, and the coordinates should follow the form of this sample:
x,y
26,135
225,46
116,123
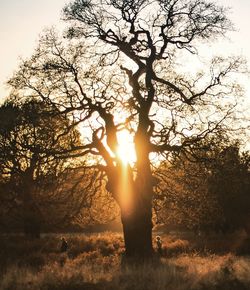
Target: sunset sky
x,y
22,21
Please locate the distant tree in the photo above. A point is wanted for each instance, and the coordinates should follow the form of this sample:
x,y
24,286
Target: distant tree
x,y
230,182
206,191
37,186
122,69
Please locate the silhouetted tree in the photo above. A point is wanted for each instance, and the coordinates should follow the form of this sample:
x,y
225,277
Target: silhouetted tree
x,y
206,191
31,136
121,69
230,182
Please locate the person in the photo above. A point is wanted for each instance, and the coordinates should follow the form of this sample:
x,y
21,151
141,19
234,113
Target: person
x,y
64,245
159,245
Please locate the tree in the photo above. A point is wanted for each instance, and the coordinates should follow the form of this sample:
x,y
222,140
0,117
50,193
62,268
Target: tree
x,y
207,191
32,134
119,70
230,182
183,200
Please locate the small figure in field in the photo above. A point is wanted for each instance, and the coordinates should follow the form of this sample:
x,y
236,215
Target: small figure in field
x,y
159,245
64,245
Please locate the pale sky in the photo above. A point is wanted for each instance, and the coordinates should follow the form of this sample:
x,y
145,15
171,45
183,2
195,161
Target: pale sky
x,y
22,21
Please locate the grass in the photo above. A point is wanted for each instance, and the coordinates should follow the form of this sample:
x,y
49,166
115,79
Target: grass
x,y
94,262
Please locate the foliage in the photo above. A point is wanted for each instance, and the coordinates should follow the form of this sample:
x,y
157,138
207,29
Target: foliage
x,y
37,187
208,190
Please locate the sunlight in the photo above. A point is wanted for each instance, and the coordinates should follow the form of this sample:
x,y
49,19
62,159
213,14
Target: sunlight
x,y
126,150
125,189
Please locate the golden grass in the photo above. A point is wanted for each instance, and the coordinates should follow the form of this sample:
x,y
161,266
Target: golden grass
x,y
94,262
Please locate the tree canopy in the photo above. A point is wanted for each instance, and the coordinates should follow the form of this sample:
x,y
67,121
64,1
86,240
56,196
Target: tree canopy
x,y
35,183
207,193
120,67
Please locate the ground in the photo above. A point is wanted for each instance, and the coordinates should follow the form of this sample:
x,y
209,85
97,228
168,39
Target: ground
x,y
93,262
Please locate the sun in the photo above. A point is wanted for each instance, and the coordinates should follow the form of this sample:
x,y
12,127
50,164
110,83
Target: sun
x,y
126,149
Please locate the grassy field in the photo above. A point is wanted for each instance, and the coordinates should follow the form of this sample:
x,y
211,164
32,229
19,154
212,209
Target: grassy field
x,y
94,262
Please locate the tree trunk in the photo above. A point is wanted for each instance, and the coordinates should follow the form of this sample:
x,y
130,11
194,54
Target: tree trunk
x,y
137,230
134,197
137,222
137,226
32,218
32,221
136,217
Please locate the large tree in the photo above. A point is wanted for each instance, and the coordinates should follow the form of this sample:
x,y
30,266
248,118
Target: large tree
x,y
120,67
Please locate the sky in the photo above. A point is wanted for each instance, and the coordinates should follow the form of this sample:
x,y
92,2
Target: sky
x,y
22,21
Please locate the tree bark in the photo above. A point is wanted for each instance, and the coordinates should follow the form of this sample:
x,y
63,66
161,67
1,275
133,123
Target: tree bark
x,y
136,217
137,230
134,198
133,191
137,221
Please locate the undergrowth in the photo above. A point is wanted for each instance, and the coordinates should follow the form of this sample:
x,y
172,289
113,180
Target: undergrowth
x,y
94,262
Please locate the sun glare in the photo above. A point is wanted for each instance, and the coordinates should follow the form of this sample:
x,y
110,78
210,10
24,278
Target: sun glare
x,y
125,150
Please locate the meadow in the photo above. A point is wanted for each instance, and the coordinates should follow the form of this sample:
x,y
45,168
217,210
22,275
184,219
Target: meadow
x,y
93,262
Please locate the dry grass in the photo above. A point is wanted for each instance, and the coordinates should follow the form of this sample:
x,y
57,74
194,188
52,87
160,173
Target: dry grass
x,y
93,262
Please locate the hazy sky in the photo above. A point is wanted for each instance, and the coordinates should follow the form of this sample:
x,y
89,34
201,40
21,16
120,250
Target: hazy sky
x,y
22,21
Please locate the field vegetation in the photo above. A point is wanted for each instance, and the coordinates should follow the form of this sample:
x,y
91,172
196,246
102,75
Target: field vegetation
x,y
96,262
